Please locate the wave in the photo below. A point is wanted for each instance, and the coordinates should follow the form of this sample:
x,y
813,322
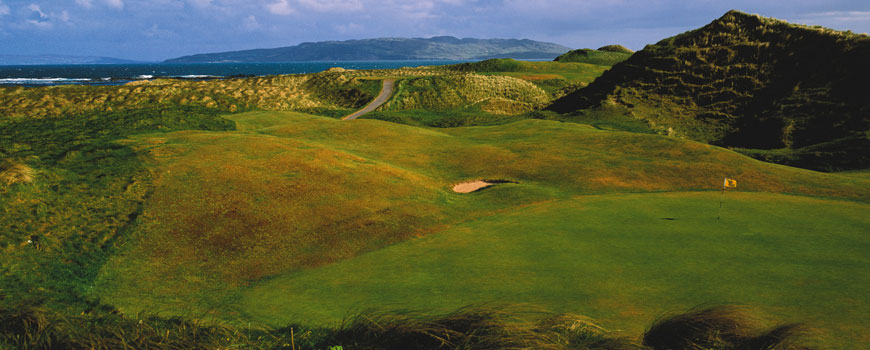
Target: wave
x,y
42,81
196,76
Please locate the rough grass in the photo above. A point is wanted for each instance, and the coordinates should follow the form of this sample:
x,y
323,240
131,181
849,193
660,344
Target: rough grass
x,y
493,94
556,78
728,84
326,91
14,172
493,327
721,327
56,232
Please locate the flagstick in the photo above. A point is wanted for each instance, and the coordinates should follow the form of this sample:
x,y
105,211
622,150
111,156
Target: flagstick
x,y
721,198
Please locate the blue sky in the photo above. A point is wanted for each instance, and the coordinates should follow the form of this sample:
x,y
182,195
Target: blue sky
x,y
161,29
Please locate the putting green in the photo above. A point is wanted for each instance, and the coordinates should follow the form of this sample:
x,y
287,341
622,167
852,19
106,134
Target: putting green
x,y
622,259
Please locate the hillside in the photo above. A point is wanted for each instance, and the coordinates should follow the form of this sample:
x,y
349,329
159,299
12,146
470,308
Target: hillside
x,y
436,48
786,93
221,201
605,56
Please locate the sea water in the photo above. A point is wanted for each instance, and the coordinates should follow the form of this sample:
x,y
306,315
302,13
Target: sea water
x,y
116,74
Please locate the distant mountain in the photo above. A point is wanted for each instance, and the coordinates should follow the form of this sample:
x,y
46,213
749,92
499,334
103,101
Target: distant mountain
x,y
436,48
780,92
59,59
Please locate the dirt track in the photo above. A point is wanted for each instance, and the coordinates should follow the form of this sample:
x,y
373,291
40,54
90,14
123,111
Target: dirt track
x,y
386,92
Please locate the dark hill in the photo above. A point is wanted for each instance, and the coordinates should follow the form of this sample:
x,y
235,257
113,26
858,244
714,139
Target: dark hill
x,y
436,48
781,92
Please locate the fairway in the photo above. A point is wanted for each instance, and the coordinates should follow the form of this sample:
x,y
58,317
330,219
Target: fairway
x,y
623,259
362,214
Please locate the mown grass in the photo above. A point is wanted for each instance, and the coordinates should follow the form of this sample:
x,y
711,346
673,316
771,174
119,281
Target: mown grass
x,y
455,118
598,57
620,259
293,195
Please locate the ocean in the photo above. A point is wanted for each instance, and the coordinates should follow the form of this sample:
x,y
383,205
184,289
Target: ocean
x,y
116,74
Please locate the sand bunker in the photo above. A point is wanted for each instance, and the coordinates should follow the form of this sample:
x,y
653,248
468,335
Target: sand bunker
x,y
468,187
471,186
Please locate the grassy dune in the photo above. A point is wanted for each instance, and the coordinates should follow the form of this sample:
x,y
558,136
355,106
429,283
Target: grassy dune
x,y
312,208
493,94
225,201
340,91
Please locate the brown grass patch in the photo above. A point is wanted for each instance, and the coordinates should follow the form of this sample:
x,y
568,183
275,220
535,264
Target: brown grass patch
x,y
13,172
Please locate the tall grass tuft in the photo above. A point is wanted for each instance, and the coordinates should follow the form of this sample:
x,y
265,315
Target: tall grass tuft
x,y
476,327
722,328
25,326
13,172
31,326
572,331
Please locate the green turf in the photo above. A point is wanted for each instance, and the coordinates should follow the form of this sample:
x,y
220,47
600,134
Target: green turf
x,y
622,259
599,57
290,195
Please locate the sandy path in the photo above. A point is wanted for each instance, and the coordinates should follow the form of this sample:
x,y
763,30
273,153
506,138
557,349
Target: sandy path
x,y
386,92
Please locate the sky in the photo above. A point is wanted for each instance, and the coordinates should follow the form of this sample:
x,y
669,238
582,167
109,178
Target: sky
x,y
154,30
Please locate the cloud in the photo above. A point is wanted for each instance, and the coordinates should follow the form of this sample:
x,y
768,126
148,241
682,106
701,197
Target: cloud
x,y
200,3
348,28
839,16
155,32
38,18
280,8
250,23
4,9
42,20
417,10
857,21
118,4
333,5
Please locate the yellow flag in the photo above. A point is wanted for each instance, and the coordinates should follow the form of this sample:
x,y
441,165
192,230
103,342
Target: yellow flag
x,y
730,183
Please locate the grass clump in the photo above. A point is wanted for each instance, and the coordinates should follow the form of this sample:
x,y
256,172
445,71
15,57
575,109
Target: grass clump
x,y
14,172
29,326
475,327
722,327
